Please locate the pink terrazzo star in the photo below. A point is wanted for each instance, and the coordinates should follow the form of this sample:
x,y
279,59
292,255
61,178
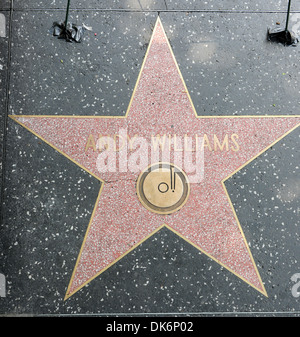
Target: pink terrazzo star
x,y
161,105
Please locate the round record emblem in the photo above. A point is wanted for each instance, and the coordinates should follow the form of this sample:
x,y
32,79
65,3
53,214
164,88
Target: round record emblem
x,y
163,188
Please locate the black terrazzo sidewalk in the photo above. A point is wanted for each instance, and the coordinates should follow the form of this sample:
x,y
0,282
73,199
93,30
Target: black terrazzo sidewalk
x,y
230,69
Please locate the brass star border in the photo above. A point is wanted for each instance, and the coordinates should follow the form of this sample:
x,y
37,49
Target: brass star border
x,y
40,125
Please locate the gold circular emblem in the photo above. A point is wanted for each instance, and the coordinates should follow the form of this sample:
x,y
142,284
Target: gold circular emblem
x,y
163,188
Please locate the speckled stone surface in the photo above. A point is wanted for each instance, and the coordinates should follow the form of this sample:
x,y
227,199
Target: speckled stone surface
x,y
114,57
4,26
48,200
5,4
99,4
230,5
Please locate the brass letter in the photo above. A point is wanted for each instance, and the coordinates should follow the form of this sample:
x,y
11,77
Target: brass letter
x,y
233,136
158,141
217,143
115,143
90,143
205,142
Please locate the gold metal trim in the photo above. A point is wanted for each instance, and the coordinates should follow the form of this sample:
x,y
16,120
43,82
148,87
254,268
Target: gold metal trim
x,y
15,118
157,209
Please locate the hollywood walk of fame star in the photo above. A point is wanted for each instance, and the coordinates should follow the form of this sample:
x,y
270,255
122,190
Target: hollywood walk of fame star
x,y
124,215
